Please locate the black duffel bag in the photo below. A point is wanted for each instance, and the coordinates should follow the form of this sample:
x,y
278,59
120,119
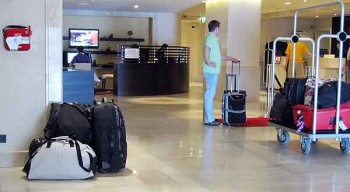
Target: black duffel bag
x,y
69,119
327,94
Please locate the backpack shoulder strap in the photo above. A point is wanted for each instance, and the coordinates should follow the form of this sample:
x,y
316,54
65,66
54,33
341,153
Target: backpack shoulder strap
x,y
55,111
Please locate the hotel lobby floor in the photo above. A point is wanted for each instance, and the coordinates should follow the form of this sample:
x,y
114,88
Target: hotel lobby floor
x,y
169,149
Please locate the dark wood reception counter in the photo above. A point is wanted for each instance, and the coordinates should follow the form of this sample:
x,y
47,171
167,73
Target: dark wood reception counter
x,y
154,72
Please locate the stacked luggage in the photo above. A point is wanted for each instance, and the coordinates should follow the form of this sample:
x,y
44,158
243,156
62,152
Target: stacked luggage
x,y
326,105
79,139
295,104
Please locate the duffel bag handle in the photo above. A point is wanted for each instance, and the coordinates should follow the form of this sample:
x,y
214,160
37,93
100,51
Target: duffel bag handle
x,y
80,159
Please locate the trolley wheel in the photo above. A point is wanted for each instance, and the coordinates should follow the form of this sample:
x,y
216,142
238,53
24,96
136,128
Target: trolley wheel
x,y
305,145
344,145
284,138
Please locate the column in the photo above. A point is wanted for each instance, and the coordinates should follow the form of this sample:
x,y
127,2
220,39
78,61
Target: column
x,y
240,37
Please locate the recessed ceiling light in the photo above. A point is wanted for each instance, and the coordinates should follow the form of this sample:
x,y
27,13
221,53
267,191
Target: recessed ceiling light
x,y
316,15
84,3
305,1
287,3
136,6
335,14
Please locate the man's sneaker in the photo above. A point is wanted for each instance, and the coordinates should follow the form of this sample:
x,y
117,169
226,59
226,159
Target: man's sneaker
x,y
213,123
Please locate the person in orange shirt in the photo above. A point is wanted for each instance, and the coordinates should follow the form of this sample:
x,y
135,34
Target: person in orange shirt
x,y
300,51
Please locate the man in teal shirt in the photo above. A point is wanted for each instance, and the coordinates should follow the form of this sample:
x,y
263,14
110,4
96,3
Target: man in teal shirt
x,y
211,70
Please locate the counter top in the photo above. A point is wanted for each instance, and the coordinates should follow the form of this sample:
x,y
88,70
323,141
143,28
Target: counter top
x,y
328,62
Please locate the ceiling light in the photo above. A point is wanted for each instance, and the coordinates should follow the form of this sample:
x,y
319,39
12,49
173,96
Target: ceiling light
x,y
305,1
317,16
108,13
136,6
287,2
84,3
335,14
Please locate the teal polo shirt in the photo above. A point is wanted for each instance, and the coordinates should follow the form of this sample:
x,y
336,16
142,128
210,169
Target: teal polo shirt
x,y
213,43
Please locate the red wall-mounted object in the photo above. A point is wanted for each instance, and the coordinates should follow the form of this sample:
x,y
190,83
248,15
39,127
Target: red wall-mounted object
x,y
17,37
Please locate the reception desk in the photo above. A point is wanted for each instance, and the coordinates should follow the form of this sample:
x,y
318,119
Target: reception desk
x,y
328,68
140,79
146,75
78,86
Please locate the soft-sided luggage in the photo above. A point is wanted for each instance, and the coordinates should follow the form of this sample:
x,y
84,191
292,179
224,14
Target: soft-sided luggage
x,y
294,89
327,94
61,158
234,101
325,117
69,119
280,111
109,137
310,88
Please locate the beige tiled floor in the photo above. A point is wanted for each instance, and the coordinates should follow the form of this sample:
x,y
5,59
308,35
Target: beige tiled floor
x,y
170,150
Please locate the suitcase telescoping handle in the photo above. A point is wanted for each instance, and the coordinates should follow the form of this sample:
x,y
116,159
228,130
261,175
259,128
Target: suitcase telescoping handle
x,y
235,77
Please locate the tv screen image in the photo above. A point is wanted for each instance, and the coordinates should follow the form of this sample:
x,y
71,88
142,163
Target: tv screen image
x,y
88,38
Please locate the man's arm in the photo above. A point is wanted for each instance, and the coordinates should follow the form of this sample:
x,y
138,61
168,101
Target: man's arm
x,y
207,57
307,53
229,58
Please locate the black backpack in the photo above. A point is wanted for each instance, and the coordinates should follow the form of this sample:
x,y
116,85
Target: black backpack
x,y
281,112
327,94
69,119
109,141
294,89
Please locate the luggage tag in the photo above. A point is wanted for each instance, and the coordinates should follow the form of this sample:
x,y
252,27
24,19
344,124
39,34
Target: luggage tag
x,y
342,126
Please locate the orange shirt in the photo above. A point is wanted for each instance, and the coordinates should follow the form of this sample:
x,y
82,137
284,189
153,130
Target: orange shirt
x,y
299,51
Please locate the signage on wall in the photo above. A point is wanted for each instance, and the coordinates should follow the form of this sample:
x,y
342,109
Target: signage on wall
x,y
131,53
17,37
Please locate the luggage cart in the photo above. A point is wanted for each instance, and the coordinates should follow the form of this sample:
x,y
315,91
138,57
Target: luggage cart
x,y
306,137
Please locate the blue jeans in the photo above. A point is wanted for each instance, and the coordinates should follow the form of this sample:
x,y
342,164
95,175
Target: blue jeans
x,y
211,81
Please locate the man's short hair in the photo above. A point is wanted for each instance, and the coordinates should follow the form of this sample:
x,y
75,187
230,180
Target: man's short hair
x,y
80,49
212,25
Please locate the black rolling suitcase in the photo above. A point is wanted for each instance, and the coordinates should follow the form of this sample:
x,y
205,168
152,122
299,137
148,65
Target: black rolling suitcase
x,y
109,137
234,101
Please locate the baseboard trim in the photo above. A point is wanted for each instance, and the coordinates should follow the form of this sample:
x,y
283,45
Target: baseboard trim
x,y
13,159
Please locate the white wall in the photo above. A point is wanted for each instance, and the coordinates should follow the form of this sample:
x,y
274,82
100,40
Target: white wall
x,y
165,28
118,26
193,38
25,75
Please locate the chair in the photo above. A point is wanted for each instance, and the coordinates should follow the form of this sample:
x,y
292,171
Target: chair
x,y
104,79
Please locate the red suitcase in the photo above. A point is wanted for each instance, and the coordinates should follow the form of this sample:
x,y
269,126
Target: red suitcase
x,y
325,117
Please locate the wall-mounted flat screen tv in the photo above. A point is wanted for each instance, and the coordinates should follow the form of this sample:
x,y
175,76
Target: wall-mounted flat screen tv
x,y
88,38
